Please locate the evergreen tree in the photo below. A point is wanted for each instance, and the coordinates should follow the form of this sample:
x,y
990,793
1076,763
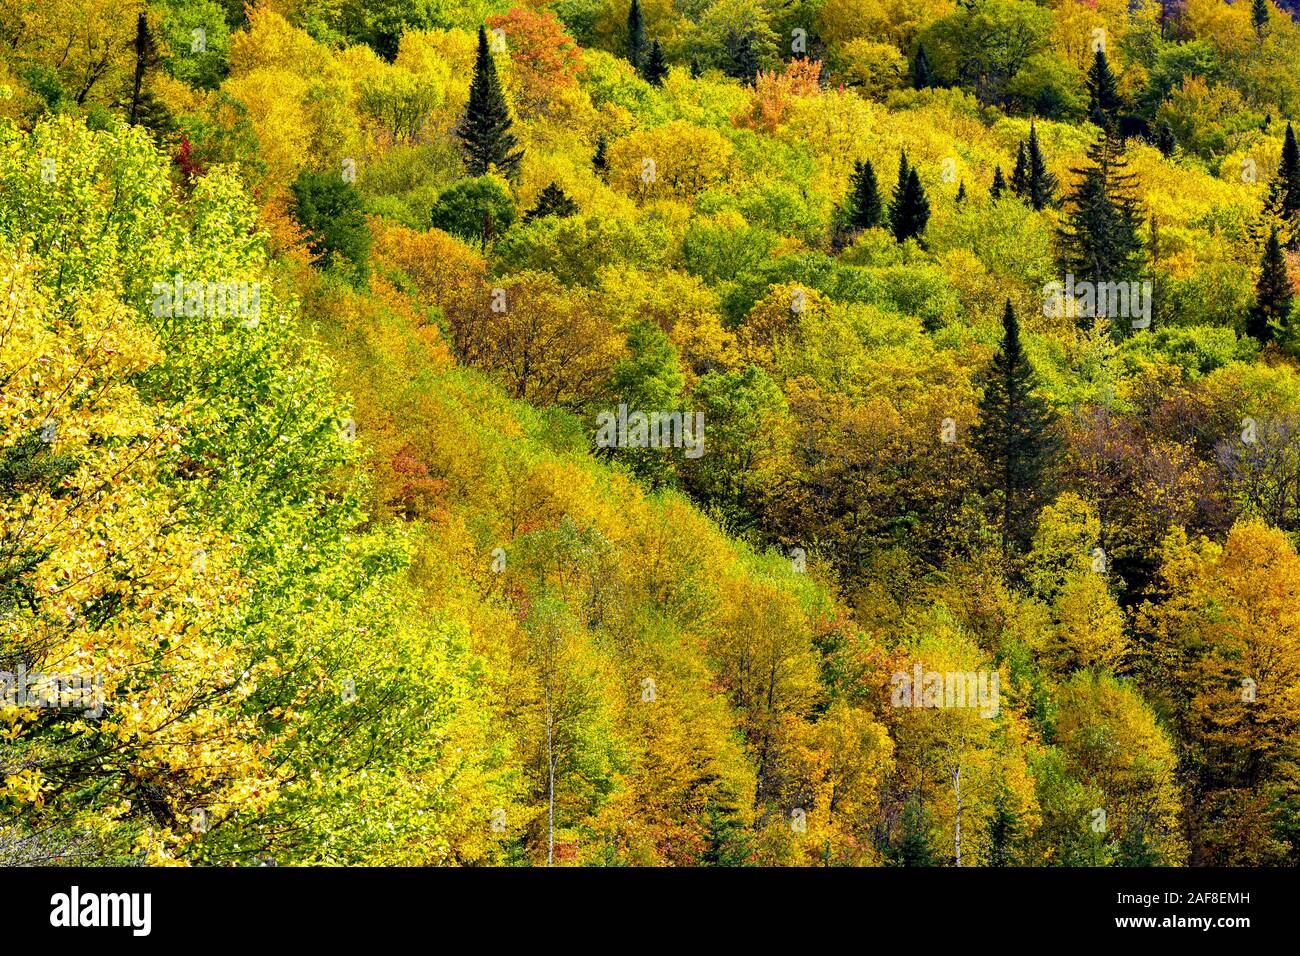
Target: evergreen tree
x,y
999,184
599,161
913,849
909,212
1273,296
1103,92
484,130
636,41
961,192
1020,174
656,68
1040,186
552,201
1288,175
1014,437
743,50
866,208
143,108
1166,142
922,72
1099,239
1259,16
1004,831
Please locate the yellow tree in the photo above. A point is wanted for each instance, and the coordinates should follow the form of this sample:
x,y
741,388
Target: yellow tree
x,y
1225,653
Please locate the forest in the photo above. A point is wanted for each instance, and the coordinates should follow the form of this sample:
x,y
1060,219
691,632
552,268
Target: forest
x,y
651,433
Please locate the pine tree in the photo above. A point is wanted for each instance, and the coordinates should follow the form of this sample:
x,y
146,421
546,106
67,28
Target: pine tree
x,y
1041,184
145,109
484,130
599,161
744,56
922,72
552,201
961,192
913,849
636,42
656,67
144,51
1103,92
1014,436
866,208
1020,174
1099,239
1288,174
1259,16
1166,142
909,212
999,184
1273,295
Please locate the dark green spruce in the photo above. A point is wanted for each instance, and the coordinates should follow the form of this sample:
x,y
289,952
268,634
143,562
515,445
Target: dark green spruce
x,y
484,130
1014,437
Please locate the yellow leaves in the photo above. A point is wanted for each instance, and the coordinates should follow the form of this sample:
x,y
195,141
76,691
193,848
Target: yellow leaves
x,y
25,786
676,161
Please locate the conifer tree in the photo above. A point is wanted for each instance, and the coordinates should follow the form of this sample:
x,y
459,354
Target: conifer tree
x,y
1040,188
656,67
1099,238
744,56
636,40
1288,174
599,161
1103,92
484,130
1014,437
552,201
999,184
922,72
909,212
1020,174
961,192
866,208
1166,142
1273,295
1259,16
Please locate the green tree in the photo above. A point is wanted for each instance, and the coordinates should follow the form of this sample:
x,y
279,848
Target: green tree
x,y
1288,175
552,201
922,72
484,130
1166,141
1040,184
866,208
1259,16
656,67
909,212
1014,437
1099,238
1270,315
476,209
636,38
999,184
333,214
1020,173
1103,92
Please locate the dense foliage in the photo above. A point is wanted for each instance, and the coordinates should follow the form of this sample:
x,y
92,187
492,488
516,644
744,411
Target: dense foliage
x,y
318,317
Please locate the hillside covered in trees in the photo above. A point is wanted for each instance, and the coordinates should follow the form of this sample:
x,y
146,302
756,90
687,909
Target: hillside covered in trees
x,y
526,432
